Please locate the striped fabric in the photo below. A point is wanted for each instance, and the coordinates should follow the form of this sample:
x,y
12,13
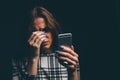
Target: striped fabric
x,y
49,68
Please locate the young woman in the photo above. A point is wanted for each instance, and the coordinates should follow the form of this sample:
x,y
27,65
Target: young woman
x,y
42,62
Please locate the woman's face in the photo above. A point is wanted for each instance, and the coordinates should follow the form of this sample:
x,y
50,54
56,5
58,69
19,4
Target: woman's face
x,y
39,25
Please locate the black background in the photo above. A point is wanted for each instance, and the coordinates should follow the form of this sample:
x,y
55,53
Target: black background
x,y
95,26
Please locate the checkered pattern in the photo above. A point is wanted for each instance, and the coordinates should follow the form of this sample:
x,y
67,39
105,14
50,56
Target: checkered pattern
x,y
49,68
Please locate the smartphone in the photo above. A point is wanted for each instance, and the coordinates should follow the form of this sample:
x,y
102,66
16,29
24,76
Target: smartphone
x,y
65,39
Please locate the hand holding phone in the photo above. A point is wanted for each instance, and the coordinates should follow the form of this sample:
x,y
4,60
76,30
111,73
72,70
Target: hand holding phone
x,y
64,39
65,53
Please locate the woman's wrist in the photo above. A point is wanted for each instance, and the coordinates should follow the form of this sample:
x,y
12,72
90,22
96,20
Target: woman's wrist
x,y
33,60
72,74
32,66
34,52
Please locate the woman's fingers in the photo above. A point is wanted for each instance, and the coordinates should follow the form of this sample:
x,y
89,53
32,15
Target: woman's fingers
x,y
35,34
68,55
72,47
32,36
68,50
67,60
36,38
40,40
71,66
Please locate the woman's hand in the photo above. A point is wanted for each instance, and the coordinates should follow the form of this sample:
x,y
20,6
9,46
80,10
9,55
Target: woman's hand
x,y
35,41
68,55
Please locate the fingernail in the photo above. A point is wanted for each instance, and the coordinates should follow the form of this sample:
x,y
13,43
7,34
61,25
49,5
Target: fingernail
x,y
61,47
56,51
45,36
